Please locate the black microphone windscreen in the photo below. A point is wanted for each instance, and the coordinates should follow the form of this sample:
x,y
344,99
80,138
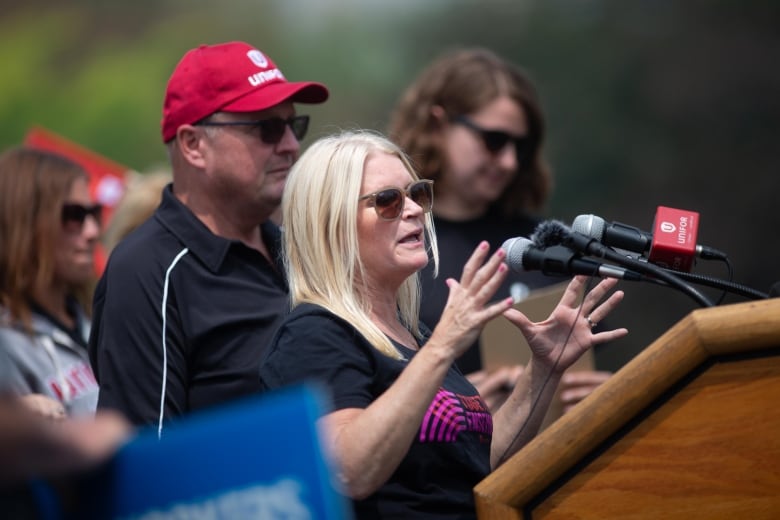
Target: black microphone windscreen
x,y
550,233
774,291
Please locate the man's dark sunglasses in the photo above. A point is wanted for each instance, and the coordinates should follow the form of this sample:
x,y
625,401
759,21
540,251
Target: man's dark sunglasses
x,y
77,213
496,140
389,202
270,130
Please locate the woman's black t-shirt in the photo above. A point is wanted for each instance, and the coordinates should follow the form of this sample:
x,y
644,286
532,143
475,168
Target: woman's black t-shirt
x,y
451,451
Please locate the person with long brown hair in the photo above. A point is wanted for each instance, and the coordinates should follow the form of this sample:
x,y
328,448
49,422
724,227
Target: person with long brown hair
x,y
49,226
473,122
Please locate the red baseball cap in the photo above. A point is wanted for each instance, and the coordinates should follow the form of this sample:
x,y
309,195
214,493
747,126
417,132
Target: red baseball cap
x,y
228,77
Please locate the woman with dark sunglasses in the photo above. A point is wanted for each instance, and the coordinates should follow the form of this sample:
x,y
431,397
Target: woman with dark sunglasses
x,y
49,227
473,123
408,434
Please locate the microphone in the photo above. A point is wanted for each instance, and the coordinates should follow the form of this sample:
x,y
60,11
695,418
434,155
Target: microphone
x,y
613,234
552,232
774,291
523,255
672,245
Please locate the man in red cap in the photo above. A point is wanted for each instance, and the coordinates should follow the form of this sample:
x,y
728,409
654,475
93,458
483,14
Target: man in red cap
x,y
189,300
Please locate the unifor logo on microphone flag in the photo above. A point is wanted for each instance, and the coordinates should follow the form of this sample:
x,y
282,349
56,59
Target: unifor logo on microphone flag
x,y
668,227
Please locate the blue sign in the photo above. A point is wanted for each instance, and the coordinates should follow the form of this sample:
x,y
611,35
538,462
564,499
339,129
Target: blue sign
x,y
259,458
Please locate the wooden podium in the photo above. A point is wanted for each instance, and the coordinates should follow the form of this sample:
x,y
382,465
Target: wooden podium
x,y
690,428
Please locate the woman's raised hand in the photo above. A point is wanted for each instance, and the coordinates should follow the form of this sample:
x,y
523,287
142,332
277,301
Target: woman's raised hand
x,y
468,308
567,333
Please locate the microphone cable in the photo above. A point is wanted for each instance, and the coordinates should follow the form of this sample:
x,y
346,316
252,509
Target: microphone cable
x,y
726,286
588,286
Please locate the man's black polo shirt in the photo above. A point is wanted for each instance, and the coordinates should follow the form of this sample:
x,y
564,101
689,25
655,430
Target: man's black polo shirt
x,y
182,316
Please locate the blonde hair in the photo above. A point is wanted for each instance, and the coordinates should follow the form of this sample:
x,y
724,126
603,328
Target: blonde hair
x,y
320,240
142,196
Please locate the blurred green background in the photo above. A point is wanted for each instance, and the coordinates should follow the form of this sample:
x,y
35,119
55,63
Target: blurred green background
x,y
649,102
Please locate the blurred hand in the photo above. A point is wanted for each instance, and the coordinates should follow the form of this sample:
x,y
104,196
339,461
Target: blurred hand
x,y
34,446
494,387
85,442
577,385
44,406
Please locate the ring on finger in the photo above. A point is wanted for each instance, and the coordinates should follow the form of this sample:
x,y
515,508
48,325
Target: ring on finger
x,y
592,323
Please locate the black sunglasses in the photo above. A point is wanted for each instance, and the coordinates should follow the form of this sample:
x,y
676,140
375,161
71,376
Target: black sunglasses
x,y
496,140
77,213
389,202
270,130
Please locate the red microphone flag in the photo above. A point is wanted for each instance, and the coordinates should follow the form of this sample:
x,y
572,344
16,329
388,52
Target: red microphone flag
x,y
674,238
